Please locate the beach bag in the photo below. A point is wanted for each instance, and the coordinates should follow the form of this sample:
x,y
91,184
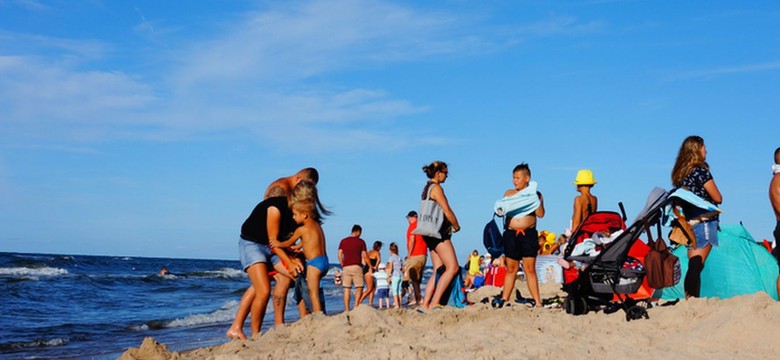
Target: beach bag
x,y
492,239
661,266
431,217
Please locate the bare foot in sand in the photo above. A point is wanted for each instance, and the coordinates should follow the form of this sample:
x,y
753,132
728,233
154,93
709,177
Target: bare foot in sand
x,y
236,334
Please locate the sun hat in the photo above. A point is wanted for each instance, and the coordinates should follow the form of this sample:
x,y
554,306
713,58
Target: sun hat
x,y
382,265
584,177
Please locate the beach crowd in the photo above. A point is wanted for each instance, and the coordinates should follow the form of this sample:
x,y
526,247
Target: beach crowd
x,y
282,243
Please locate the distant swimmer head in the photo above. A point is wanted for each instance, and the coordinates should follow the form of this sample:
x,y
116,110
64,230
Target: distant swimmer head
x,y
584,177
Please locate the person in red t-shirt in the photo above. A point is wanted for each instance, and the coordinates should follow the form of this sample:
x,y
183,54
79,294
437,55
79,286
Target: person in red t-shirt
x,y
352,256
417,256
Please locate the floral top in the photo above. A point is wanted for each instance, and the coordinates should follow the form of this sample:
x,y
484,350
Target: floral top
x,y
694,183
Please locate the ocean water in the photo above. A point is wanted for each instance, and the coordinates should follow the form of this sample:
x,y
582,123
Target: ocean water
x,y
95,307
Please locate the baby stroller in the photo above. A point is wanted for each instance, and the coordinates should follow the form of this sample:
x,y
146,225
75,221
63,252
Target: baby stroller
x,y
611,273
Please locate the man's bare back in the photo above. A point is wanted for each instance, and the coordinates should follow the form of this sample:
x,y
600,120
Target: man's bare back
x,y
280,187
774,195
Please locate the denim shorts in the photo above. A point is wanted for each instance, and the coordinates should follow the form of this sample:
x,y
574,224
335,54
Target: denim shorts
x,y
706,233
252,253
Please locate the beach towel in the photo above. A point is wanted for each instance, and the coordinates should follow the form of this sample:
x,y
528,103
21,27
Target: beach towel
x,y
692,199
523,203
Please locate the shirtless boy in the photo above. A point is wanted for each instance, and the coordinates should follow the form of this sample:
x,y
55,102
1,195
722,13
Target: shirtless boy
x,y
774,198
521,241
584,204
304,205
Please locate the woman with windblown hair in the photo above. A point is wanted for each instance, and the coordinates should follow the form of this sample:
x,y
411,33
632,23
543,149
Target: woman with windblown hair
x,y
692,173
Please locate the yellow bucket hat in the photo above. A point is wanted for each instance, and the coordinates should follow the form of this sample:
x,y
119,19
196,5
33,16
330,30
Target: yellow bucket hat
x,y
584,177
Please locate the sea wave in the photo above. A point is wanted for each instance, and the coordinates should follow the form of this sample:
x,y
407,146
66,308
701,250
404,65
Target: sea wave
x,y
224,314
34,344
32,273
223,273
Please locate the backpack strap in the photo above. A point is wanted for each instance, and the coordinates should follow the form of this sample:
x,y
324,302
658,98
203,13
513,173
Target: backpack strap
x,y
650,241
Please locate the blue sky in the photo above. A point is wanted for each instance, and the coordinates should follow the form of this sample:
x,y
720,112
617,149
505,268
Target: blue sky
x,y
151,128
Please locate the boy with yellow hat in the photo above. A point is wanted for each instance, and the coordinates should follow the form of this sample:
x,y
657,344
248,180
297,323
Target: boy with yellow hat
x,y
586,203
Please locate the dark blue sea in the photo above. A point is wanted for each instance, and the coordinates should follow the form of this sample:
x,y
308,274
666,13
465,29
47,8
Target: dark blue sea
x,y
95,307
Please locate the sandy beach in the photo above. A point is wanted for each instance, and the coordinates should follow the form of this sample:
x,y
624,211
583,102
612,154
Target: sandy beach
x,y
743,327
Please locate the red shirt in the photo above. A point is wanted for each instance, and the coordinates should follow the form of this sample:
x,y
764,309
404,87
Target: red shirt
x,y
419,245
352,249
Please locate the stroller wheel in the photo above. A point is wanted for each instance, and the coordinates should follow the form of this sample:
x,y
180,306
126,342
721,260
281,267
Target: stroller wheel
x,y
636,312
575,305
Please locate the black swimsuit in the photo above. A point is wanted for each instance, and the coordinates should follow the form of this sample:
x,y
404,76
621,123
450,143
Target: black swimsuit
x,y
445,230
373,264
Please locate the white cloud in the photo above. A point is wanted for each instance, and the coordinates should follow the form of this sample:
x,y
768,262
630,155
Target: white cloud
x,y
289,43
60,51
58,99
27,4
253,77
730,70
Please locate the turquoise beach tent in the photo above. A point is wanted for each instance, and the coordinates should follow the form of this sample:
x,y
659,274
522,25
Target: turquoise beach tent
x,y
738,266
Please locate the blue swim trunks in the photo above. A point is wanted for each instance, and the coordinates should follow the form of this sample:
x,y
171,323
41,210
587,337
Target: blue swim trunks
x,y
321,263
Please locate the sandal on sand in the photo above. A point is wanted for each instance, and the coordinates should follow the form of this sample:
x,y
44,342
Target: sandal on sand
x,y
497,303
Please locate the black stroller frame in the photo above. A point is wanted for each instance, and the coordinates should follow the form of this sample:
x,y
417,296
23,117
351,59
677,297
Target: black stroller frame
x,y
604,275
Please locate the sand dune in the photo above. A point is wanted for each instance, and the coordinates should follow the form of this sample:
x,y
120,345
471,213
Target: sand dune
x,y
738,328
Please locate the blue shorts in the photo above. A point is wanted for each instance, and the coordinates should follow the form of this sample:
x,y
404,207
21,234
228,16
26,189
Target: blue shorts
x,y
383,293
706,233
395,285
251,253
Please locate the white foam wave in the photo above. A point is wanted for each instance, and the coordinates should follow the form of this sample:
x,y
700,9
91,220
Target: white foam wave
x,y
32,272
37,344
224,314
55,342
142,327
224,273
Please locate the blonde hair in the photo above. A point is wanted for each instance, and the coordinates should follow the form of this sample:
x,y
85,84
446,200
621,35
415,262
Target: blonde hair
x,y
688,158
307,206
304,198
